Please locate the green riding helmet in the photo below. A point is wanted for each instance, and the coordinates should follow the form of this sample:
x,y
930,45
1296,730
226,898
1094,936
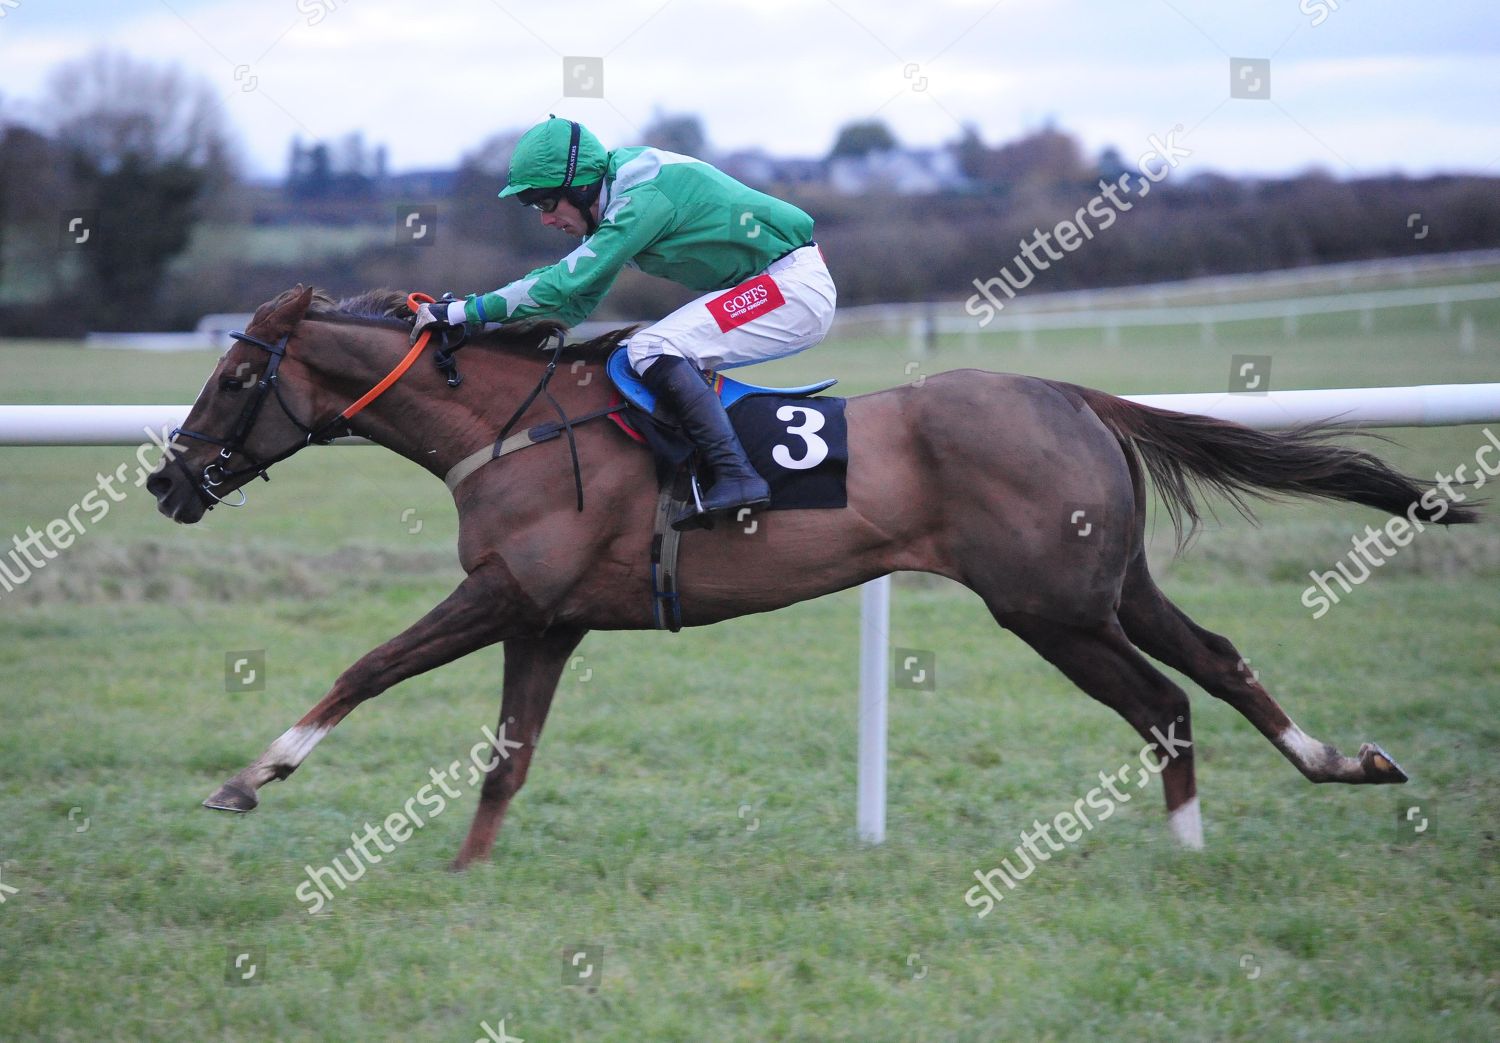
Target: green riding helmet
x,y
555,154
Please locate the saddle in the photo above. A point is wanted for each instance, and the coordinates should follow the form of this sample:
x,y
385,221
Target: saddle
x,y
729,390
646,422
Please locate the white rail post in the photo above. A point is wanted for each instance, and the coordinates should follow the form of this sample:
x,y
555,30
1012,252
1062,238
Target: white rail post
x,y
874,683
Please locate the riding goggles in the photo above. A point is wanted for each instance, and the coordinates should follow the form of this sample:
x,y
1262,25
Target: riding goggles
x,y
543,199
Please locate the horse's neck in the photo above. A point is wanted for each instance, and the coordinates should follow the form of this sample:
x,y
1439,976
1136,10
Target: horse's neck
x,y
436,426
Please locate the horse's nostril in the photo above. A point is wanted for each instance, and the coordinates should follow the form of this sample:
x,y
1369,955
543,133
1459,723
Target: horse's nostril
x,y
158,484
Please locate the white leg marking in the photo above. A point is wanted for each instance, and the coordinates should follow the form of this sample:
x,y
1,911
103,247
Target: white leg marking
x,y
1308,751
292,748
1186,824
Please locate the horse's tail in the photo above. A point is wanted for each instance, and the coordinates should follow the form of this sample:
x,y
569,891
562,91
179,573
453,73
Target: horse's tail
x,y
1181,450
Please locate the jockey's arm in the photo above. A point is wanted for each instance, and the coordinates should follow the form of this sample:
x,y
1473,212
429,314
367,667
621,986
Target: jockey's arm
x,y
570,289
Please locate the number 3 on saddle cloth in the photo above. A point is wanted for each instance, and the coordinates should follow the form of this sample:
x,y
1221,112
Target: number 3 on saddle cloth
x,y
799,444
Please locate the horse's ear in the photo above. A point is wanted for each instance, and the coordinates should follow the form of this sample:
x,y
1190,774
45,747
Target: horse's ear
x,y
281,315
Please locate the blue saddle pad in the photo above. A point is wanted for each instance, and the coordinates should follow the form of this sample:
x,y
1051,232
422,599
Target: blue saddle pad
x,y
728,389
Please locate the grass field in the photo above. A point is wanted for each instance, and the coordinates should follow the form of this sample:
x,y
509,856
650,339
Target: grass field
x,y
689,819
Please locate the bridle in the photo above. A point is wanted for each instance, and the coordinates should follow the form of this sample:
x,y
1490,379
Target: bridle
x,y
217,473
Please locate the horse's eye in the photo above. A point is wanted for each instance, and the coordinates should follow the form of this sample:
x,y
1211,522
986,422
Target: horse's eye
x,y
230,383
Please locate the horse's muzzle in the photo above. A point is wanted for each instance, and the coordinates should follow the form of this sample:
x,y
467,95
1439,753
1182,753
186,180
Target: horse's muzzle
x,y
176,497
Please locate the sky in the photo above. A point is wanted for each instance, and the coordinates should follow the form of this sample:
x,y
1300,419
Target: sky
x,y
1355,87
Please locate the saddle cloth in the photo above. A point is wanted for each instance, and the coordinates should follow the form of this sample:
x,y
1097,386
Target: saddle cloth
x,y
798,443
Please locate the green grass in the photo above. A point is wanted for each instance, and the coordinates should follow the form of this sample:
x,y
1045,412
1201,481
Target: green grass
x,y
631,837
690,811
284,244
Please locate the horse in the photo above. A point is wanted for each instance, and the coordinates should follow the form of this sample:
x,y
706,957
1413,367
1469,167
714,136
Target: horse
x,y
1030,492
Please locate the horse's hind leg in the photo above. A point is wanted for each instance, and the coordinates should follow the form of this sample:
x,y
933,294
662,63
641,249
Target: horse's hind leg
x,y
1102,661
1163,631
532,668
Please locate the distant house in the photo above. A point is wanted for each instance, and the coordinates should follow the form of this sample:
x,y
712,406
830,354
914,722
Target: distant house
x,y
903,171
758,167
420,184
347,169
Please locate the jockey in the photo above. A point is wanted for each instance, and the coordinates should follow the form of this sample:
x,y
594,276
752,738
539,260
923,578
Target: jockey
x,y
769,293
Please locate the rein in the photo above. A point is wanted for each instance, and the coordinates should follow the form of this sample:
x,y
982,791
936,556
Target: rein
x,y
567,424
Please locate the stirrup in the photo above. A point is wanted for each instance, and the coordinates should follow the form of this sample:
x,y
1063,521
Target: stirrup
x,y
696,516
699,515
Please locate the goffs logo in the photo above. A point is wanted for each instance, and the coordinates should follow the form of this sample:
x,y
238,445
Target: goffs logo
x,y
746,301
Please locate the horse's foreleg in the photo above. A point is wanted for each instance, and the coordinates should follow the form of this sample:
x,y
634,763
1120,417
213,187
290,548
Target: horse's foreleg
x,y
1164,631
476,614
533,665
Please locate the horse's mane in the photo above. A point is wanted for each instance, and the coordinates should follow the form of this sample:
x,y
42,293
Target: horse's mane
x,y
525,337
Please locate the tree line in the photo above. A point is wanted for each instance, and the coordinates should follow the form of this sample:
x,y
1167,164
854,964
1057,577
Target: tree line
x,y
126,210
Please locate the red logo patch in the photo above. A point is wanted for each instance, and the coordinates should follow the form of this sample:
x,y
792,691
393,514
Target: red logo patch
x,y
749,300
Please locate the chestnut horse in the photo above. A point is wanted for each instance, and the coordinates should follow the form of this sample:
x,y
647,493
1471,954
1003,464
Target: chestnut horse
x,y
1030,492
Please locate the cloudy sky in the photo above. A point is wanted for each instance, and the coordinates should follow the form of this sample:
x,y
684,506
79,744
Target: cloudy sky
x,y
1355,86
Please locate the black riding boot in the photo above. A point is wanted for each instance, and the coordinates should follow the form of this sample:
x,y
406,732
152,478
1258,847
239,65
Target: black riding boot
x,y
678,384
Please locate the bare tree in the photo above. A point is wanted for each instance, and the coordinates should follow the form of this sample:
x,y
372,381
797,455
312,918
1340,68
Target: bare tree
x,y
145,146
109,106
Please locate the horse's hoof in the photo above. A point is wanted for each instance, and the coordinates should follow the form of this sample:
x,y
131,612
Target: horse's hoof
x,y
462,863
1379,766
233,797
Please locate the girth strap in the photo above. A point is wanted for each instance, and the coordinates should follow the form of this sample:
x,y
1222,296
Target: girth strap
x,y
504,446
666,606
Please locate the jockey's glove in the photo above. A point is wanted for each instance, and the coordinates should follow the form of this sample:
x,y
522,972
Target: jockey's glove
x,y
438,314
